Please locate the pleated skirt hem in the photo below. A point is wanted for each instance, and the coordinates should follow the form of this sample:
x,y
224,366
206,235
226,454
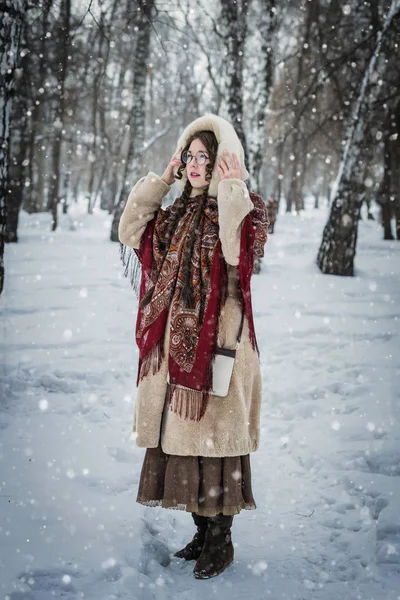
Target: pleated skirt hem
x,y
199,510
202,485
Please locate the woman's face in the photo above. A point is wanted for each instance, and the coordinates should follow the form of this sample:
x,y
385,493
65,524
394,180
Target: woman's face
x,y
197,173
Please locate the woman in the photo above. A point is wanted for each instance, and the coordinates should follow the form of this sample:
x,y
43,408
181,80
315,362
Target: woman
x,y
197,259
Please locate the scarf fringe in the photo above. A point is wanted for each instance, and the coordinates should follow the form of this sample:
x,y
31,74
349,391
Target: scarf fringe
x,y
191,404
188,404
151,363
132,266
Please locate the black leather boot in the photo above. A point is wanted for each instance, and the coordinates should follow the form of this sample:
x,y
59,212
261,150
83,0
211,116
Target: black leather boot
x,y
217,552
193,549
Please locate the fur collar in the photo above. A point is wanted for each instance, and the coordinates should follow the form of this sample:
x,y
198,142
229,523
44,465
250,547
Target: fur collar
x,y
227,140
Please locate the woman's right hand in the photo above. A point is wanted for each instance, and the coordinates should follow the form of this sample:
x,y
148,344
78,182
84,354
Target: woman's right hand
x,y
168,175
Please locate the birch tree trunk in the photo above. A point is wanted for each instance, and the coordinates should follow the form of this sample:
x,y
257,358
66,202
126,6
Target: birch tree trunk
x,y
266,25
137,129
338,247
13,13
234,24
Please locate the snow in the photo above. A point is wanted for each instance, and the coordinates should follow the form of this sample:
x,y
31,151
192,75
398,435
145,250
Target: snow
x,y
326,476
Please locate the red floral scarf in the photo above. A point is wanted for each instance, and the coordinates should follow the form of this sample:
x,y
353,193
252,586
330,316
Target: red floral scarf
x,y
193,331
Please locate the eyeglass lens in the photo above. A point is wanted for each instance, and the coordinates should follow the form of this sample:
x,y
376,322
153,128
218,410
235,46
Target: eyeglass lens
x,y
200,158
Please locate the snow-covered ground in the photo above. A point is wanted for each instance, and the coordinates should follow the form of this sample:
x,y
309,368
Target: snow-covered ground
x,y
326,477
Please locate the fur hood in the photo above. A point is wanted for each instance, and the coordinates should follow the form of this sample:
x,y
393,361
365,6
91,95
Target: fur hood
x,y
227,140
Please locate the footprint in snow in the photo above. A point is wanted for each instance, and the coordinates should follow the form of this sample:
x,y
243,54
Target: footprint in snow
x,y
120,455
58,582
155,551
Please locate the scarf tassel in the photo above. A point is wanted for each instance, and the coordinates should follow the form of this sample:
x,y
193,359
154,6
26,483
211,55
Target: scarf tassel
x,y
132,266
190,404
151,363
187,403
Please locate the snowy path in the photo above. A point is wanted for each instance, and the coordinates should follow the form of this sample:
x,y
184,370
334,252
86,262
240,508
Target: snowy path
x,y
326,478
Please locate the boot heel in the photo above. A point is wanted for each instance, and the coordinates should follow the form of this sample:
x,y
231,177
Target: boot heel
x,y
193,549
218,553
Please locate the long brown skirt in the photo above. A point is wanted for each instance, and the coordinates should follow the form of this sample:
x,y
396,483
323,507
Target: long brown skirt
x,y
206,486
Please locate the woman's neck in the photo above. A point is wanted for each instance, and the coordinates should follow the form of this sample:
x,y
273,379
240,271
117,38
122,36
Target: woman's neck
x,y
196,192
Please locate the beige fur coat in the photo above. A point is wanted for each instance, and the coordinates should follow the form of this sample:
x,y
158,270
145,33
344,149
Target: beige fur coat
x,y
231,425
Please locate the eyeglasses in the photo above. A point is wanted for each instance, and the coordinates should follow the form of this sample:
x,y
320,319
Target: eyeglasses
x,y
200,157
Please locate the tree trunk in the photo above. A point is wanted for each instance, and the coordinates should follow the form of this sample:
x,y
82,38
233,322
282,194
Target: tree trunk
x,y
109,199
277,193
338,246
67,181
16,185
75,193
100,183
386,216
59,123
137,129
294,194
234,23
34,197
267,27
394,140
303,171
384,197
11,22
19,145
97,79
109,192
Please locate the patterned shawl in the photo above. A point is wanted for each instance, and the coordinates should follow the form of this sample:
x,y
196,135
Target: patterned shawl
x,y
193,331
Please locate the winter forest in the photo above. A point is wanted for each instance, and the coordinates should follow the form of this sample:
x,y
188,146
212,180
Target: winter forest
x,y
94,94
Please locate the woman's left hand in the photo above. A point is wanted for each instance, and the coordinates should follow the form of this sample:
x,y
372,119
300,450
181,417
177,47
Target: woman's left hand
x,y
228,166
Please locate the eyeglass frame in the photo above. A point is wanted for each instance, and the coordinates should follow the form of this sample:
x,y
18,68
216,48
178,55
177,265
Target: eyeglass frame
x,y
194,156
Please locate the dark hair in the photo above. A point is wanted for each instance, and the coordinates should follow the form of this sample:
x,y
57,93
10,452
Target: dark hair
x,y
210,142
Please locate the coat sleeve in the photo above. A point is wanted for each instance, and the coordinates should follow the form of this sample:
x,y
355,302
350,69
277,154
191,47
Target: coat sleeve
x,y
142,204
234,205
